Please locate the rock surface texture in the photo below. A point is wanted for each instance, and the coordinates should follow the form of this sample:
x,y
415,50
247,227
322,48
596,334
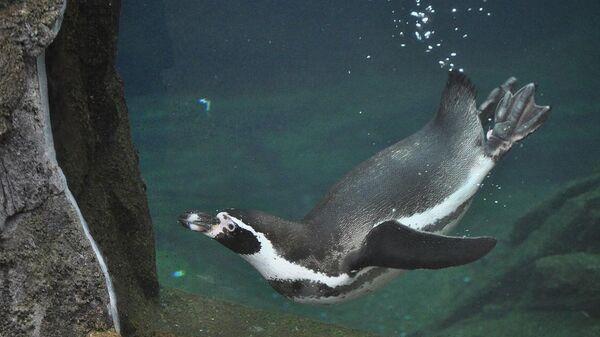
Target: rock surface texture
x,y
546,284
51,278
51,282
93,146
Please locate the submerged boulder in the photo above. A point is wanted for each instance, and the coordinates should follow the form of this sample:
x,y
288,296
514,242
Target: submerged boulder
x,y
66,162
93,145
568,281
546,282
185,315
51,281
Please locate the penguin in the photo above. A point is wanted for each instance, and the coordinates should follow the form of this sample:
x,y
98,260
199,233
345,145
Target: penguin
x,y
391,213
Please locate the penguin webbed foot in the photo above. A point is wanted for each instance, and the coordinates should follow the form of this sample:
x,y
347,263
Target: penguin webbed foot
x,y
488,107
515,115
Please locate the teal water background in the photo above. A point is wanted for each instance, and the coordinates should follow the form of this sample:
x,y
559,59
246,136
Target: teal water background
x,y
302,91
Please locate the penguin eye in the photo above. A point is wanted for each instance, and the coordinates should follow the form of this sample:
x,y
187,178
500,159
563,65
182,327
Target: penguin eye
x,y
231,227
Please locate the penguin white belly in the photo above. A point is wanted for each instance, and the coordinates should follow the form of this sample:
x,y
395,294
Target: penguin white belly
x,y
454,201
378,281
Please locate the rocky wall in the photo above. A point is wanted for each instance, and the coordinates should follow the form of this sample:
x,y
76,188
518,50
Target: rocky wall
x,y
51,277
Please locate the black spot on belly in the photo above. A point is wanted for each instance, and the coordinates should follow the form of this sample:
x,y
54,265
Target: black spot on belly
x,y
307,288
303,288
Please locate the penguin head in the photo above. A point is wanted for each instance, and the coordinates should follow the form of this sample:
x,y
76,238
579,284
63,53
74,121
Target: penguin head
x,y
235,235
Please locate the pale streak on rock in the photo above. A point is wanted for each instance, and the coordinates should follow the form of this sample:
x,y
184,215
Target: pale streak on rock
x,y
50,279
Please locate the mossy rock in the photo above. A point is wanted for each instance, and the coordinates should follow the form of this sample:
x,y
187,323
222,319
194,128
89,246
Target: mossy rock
x,y
523,323
109,333
569,281
546,282
181,314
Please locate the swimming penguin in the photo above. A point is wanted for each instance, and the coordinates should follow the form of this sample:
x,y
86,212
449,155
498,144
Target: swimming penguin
x,y
390,213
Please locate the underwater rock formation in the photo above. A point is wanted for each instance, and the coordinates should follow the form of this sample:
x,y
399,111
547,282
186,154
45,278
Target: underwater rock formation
x,y
568,281
93,146
186,315
546,284
51,281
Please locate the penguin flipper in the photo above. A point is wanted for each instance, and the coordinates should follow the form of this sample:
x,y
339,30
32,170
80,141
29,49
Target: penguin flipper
x,y
393,245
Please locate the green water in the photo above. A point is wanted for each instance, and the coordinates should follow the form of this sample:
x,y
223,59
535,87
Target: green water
x,y
302,91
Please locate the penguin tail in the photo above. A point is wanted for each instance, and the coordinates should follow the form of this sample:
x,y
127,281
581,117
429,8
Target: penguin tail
x,y
511,116
458,111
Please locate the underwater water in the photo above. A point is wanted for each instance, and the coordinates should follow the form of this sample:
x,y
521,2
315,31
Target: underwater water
x,y
266,104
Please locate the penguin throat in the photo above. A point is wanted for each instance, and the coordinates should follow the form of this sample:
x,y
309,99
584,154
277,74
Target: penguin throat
x,y
274,266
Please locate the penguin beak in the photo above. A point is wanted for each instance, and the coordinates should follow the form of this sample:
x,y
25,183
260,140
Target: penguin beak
x,y
197,221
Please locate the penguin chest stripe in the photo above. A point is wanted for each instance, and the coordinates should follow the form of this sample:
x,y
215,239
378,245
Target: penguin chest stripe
x,y
273,266
454,201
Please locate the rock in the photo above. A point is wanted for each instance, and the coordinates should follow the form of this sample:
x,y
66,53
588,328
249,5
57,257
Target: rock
x,y
24,28
542,214
93,144
163,334
185,315
12,82
51,281
545,284
568,281
31,25
110,333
